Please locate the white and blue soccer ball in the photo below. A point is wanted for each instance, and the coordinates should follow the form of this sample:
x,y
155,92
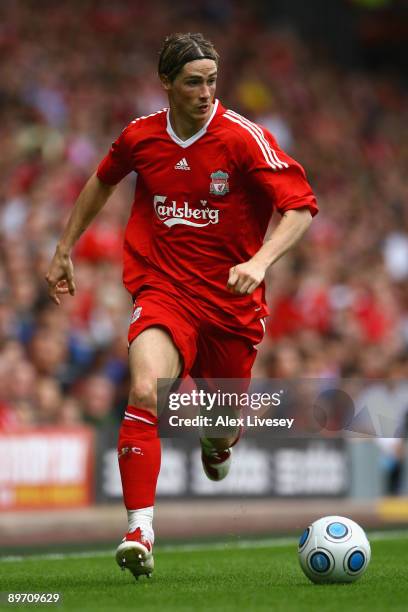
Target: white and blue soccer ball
x,y
334,549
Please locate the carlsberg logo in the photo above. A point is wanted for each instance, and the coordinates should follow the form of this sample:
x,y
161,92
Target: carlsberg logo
x,y
171,214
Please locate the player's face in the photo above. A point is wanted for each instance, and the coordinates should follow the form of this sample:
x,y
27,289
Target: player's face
x,y
192,91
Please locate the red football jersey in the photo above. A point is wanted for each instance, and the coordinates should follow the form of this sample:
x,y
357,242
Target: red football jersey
x,y
202,205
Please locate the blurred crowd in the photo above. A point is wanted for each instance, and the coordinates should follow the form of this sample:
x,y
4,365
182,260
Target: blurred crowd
x,y
72,75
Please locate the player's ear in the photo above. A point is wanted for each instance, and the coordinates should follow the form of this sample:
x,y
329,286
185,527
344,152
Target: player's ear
x,y
165,81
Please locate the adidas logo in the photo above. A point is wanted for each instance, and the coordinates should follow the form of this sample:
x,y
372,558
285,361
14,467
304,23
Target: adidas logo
x,y
182,165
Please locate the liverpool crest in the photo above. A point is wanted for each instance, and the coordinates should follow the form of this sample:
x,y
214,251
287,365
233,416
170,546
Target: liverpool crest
x,y
219,183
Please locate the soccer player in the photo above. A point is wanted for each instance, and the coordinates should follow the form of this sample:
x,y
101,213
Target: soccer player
x,y
208,181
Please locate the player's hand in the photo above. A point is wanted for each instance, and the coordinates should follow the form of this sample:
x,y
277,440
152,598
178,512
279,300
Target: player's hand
x,y
246,277
60,277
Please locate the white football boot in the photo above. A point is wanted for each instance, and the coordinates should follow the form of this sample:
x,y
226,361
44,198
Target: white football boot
x,y
216,463
135,554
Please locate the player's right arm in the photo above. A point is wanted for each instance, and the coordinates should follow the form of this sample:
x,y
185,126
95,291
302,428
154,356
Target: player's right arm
x,y
112,169
60,275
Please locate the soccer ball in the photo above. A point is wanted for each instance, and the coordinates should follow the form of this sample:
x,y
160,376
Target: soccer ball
x,y
334,549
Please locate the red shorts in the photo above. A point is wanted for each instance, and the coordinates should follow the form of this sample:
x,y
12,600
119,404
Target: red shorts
x,y
208,349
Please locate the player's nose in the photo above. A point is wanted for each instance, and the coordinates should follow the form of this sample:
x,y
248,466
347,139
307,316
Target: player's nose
x,y
205,92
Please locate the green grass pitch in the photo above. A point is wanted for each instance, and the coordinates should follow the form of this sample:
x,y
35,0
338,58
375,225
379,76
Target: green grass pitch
x,y
230,578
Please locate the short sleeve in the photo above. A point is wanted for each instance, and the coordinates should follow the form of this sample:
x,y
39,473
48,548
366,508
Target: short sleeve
x,y
118,162
276,175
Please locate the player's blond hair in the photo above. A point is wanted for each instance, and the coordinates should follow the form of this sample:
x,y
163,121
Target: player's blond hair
x,y
178,49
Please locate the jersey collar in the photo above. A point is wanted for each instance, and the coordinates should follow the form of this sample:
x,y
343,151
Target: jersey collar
x,y
194,137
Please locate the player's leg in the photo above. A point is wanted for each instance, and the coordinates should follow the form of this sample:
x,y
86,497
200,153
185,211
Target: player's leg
x,y
162,339
152,355
227,356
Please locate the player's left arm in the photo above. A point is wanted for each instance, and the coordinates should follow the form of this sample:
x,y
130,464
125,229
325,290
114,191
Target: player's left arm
x,y
282,182
244,278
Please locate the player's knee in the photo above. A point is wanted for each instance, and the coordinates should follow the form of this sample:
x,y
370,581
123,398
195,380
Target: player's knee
x,y
143,394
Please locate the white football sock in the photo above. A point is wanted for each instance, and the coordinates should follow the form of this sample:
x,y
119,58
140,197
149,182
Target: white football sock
x,y
142,518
